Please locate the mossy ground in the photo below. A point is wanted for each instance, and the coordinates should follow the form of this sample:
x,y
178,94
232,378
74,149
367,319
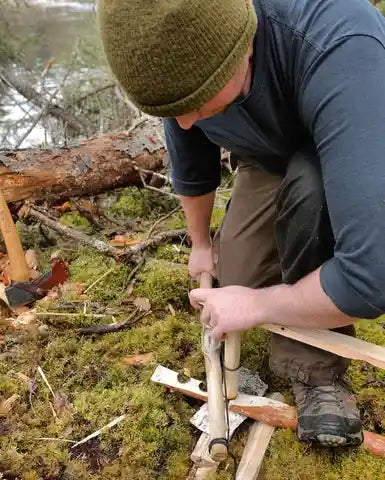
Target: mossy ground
x,y
93,385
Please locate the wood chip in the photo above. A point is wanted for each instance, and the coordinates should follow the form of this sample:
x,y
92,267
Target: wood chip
x,y
143,304
141,359
6,405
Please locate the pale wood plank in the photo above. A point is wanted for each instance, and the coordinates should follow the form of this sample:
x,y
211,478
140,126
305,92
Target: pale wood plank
x,y
338,343
255,449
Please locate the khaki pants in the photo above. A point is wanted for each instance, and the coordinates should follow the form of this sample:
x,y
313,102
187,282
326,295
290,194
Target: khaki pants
x,y
277,230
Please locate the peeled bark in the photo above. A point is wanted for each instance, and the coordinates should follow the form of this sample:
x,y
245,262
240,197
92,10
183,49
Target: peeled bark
x,y
93,166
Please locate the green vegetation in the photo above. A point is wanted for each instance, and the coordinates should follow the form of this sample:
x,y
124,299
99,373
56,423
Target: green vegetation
x,y
141,203
76,221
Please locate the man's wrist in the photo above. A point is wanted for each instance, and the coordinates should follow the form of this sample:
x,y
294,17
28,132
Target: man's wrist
x,y
202,243
270,303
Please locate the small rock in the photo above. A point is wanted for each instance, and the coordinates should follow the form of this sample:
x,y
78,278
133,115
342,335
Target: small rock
x,y
43,331
26,318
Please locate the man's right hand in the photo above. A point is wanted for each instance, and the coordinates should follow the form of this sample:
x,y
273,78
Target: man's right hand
x,y
201,260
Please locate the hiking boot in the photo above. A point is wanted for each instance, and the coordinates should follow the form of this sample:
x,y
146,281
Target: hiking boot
x,y
327,415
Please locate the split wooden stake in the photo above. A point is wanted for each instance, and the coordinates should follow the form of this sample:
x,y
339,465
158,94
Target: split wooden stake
x,y
256,446
203,463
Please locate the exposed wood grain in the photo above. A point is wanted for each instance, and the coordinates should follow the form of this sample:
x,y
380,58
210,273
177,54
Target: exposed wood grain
x,y
255,449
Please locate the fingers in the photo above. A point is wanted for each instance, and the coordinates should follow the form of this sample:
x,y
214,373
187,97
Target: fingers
x,y
198,296
217,333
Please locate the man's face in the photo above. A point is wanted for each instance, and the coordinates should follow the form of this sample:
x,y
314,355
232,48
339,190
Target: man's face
x,y
239,84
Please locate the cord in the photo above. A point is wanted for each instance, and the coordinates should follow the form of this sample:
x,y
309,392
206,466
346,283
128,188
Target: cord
x,y
227,403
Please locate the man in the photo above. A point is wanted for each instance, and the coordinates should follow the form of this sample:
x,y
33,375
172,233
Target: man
x,y
295,89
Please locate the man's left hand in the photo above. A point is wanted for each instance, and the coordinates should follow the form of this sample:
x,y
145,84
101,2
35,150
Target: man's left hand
x,y
229,309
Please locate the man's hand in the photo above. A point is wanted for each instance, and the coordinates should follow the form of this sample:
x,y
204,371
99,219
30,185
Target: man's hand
x,y
201,260
228,309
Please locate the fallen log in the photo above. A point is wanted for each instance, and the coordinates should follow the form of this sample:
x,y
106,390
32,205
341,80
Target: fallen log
x,y
93,166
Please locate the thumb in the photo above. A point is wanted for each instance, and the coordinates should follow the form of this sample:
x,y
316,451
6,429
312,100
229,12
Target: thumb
x,y
198,296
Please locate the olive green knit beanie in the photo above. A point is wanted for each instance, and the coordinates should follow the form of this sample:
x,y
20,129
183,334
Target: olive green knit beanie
x,y
172,56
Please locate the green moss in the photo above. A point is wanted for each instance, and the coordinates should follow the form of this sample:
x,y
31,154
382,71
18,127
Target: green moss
x,y
287,458
76,221
141,203
217,217
172,253
89,266
176,221
163,282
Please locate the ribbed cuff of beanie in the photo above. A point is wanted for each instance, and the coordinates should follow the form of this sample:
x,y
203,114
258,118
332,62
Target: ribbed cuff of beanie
x,y
216,81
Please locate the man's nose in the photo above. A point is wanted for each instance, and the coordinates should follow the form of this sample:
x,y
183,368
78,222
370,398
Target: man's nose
x,y
187,121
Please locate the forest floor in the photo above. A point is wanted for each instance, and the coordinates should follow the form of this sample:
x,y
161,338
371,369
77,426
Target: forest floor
x,y
97,378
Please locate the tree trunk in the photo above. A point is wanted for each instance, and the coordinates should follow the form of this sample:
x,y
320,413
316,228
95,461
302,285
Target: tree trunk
x,y
95,165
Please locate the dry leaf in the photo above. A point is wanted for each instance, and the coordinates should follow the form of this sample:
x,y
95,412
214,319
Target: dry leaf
x,y
31,259
142,359
6,405
124,241
25,318
65,207
143,304
61,402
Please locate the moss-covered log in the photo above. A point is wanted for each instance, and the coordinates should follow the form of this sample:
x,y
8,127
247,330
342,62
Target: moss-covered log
x,y
95,165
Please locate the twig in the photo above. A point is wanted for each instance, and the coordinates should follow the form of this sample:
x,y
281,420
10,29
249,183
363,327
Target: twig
x,y
53,410
37,119
98,432
160,220
90,94
150,172
135,250
67,314
129,280
39,369
114,327
149,187
99,279
52,439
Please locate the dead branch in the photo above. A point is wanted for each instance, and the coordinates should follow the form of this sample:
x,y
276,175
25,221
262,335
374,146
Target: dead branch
x,y
91,94
128,254
113,327
43,217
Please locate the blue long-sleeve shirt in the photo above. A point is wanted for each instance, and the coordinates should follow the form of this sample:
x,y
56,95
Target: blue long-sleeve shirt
x,y
319,74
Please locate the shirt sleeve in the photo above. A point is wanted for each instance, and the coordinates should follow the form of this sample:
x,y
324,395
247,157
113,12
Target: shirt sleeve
x,y
195,161
342,102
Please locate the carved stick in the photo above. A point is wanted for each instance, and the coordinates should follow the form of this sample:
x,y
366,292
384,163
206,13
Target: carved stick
x,y
232,361
216,404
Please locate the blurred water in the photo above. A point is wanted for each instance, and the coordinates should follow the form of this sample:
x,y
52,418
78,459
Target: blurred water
x,y
53,29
